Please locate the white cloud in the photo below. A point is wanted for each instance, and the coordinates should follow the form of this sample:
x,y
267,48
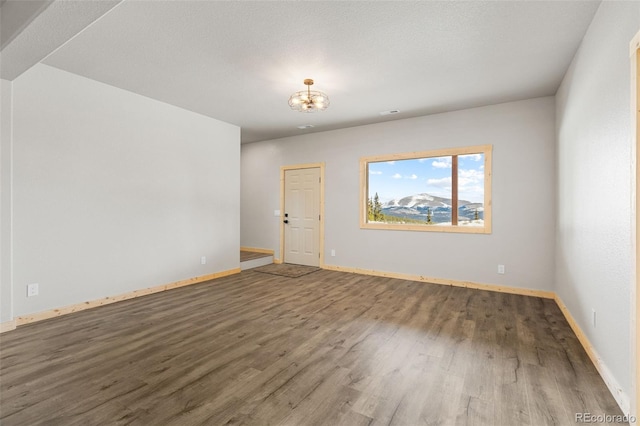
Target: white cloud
x,y
391,162
442,163
473,193
474,189
375,172
444,182
472,157
462,182
399,176
470,184
471,174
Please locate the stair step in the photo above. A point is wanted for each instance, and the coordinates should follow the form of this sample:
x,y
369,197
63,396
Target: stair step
x,y
250,264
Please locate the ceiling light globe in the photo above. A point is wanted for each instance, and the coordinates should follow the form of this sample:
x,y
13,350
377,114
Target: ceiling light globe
x,y
309,100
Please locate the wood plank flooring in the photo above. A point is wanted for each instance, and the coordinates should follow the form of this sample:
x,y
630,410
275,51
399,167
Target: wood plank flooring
x,y
329,348
251,255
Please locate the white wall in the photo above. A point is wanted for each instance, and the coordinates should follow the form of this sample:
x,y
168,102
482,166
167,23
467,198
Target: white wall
x,y
522,134
6,306
115,192
594,252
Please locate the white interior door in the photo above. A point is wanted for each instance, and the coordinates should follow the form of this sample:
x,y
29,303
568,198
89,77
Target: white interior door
x,y
302,216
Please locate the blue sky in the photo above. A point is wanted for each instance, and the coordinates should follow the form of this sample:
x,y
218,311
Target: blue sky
x,y
397,179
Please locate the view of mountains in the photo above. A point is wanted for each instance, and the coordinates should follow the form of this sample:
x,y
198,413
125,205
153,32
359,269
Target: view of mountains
x,y
416,207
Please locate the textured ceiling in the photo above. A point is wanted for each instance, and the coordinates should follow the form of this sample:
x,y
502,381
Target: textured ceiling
x,y
32,29
240,61
16,16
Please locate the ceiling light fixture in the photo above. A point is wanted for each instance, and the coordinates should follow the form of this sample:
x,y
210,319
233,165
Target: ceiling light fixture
x,y
309,100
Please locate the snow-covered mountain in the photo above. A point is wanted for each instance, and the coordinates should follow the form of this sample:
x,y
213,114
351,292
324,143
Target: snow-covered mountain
x,y
417,206
420,200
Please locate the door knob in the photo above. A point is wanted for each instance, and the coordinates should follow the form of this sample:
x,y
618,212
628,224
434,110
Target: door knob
x,y
286,221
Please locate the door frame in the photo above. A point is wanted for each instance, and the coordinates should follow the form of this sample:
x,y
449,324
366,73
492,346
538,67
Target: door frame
x,y
634,54
283,169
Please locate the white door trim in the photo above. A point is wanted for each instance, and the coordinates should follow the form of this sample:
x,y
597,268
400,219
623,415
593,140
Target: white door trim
x,y
634,53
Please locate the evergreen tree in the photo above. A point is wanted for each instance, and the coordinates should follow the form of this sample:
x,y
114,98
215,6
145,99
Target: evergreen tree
x,y
475,215
429,216
377,209
370,209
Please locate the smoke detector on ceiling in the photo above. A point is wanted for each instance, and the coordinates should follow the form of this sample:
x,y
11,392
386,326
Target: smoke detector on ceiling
x,y
390,112
305,126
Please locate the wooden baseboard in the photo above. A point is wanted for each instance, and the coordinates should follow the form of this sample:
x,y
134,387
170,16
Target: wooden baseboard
x,y
7,326
277,261
616,391
257,250
618,394
614,388
455,283
27,319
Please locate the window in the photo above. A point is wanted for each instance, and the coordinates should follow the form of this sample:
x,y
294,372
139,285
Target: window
x,y
447,190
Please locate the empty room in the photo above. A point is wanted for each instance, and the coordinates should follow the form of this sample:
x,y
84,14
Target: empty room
x,y
318,212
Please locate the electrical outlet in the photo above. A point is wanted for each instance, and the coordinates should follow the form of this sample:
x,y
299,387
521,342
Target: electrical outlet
x,y
203,260
333,252
501,269
32,290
